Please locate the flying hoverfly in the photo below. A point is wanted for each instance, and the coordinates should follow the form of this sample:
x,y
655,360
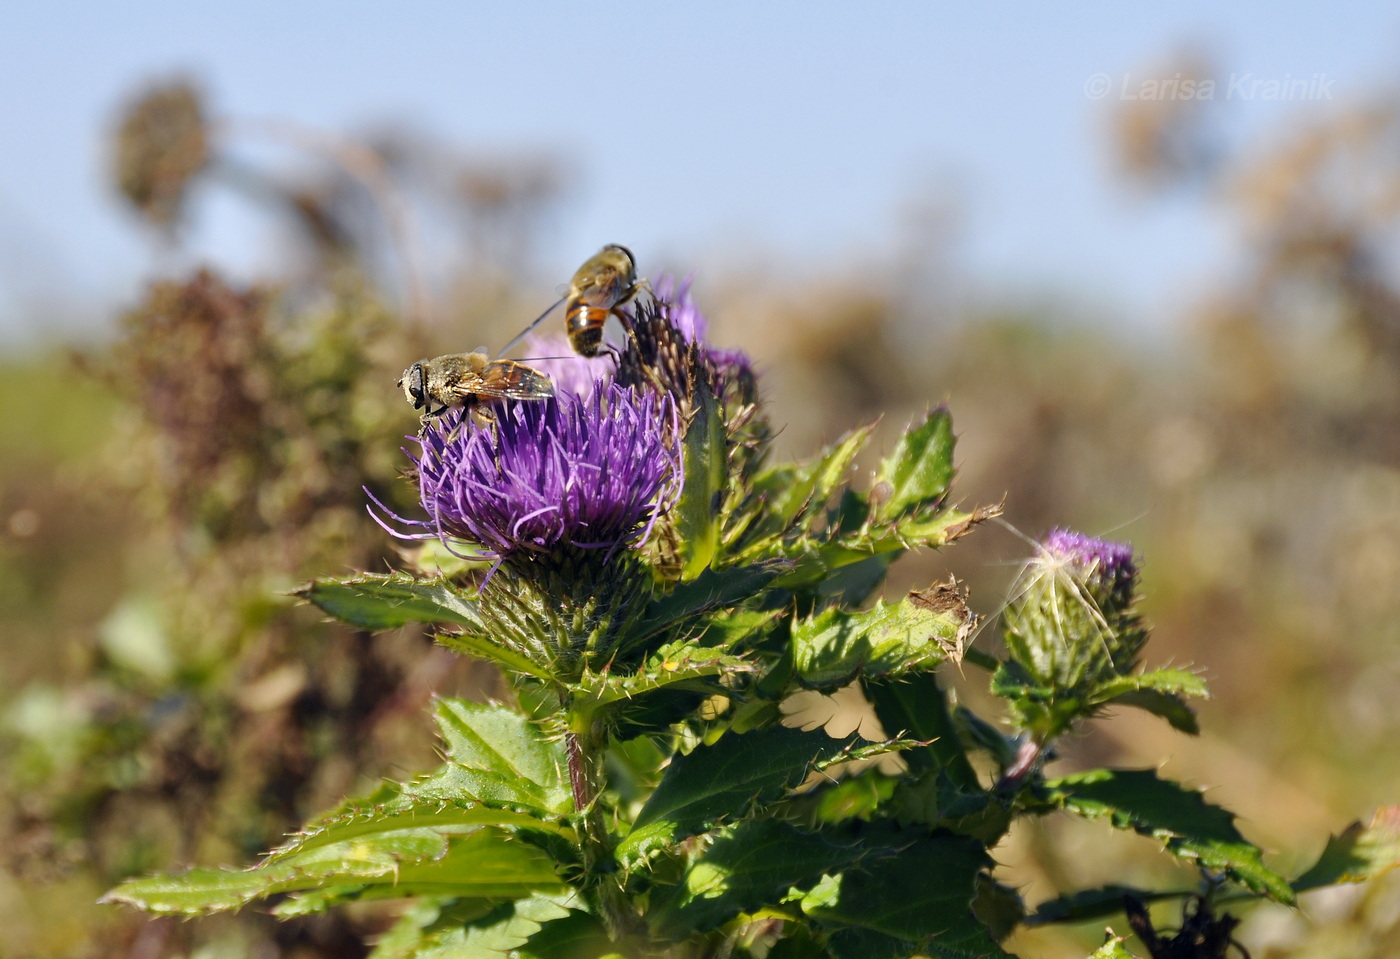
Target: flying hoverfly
x,y
605,283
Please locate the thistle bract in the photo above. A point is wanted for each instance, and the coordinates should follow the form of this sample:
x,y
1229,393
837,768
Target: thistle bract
x,y
1072,622
587,472
693,327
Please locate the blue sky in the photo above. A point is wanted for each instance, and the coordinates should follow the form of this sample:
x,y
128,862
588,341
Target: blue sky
x,y
704,134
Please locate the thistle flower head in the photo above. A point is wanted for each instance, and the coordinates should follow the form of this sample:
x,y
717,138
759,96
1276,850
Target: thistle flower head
x,y
589,472
1073,622
1105,567
684,313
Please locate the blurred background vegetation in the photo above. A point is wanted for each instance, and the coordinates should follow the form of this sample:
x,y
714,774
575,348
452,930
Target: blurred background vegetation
x,y
162,487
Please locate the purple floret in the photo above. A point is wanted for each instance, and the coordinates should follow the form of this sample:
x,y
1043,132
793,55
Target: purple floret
x,y
1109,559
589,472
689,321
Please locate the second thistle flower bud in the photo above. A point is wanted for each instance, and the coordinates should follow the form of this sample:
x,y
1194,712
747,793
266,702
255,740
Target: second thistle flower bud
x,y
1073,621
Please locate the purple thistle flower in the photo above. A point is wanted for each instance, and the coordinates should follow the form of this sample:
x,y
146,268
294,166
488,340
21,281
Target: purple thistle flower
x,y
590,472
551,354
731,364
1104,560
686,316
1073,621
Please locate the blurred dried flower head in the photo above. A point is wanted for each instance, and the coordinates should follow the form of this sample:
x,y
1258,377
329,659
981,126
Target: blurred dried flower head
x,y
194,357
161,145
1160,131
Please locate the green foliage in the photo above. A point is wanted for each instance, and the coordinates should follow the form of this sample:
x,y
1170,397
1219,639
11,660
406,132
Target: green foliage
x,y
1188,826
834,646
385,602
916,475
646,791
722,781
1359,854
697,526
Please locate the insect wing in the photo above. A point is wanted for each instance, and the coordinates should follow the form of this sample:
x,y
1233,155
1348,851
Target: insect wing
x,y
605,288
514,381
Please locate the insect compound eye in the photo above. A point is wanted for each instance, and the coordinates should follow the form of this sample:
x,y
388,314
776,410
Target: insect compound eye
x,y
416,386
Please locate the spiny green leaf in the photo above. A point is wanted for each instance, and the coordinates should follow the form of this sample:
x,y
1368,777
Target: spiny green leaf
x,y
696,513
483,863
319,900
1360,853
922,894
453,784
915,706
1188,826
494,756
819,561
919,470
680,666
396,808
502,743
792,493
371,601
724,780
1178,682
446,931
1168,706
483,647
943,527
919,632
575,936
670,686
748,865
1159,692
426,920
711,590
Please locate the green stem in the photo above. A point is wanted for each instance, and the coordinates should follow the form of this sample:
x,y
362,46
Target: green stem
x,y
986,661
600,884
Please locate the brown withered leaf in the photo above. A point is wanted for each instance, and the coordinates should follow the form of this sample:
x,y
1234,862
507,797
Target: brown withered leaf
x,y
948,600
979,515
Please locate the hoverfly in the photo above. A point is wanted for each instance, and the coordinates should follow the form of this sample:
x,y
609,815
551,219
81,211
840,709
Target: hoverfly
x,y
470,381
600,288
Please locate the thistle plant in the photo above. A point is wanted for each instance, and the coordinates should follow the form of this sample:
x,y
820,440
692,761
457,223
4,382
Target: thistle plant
x,y
656,590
